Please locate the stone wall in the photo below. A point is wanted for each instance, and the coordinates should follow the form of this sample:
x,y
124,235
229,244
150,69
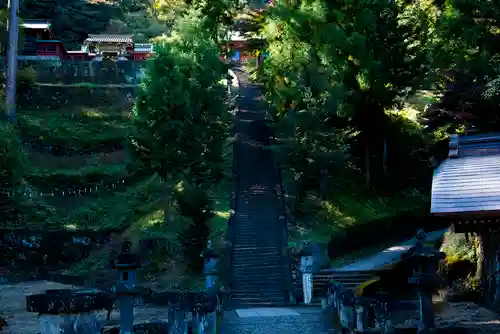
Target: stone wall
x,y
72,72
59,96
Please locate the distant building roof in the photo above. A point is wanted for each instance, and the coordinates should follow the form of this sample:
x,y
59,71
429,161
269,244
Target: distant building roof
x,y
143,47
468,182
36,24
109,39
235,36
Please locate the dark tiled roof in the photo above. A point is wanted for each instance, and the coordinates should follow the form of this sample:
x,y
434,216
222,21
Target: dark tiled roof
x,y
468,182
110,38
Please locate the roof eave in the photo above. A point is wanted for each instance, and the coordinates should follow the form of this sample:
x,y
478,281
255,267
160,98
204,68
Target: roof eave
x,y
464,215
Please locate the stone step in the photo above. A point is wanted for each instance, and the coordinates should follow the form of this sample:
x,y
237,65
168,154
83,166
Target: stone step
x,y
251,265
254,257
271,277
251,247
262,301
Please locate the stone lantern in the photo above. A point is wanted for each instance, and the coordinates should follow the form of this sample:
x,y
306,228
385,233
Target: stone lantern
x,y
210,268
126,263
424,262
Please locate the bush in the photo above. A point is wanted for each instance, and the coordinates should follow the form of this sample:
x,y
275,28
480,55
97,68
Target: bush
x,y
458,248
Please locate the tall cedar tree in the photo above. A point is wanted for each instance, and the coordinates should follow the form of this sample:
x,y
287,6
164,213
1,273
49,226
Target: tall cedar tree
x,y
180,118
339,58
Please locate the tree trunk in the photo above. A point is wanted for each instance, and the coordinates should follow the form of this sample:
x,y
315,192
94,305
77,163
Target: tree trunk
x,y
485,265
480,257
324,183
367,166
166,202
496,301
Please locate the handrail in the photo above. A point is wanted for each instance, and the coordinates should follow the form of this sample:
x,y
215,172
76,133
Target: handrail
x,y
233,200
284,228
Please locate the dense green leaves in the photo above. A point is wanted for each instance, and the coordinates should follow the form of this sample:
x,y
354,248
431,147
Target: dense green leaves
x,y
180,117
336,67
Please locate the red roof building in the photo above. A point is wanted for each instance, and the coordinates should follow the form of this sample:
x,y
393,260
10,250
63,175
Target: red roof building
x,y
41,44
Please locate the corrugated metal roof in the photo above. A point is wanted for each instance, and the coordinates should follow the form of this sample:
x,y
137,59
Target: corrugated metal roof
x,y
468,181
143,47
110,38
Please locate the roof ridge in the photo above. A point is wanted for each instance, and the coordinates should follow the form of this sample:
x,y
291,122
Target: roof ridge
x,y
114,35
466,145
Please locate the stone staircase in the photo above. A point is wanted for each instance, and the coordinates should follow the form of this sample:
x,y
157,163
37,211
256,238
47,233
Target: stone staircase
x,y
352,280
257,268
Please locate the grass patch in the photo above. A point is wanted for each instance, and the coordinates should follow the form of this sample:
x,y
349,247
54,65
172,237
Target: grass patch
x,y
86,176
346,208
48,161
349,205
417,103
118,209
74,130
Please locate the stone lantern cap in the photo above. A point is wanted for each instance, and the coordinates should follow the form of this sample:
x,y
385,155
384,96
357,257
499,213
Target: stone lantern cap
x,y
421,251
210,253
126,259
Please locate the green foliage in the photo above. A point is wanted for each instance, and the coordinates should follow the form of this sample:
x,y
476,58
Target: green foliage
x,y
458,248
85,177
13,167
180,117
333,68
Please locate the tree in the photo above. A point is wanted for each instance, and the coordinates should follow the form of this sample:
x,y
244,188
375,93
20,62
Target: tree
x,y
336,67
465,52
180,118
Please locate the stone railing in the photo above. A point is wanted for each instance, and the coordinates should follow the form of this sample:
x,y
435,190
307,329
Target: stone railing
x,y
74,72
354,313
362,314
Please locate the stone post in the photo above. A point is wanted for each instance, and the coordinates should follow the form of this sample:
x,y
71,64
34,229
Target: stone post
x,y
306,265
126,264
211,314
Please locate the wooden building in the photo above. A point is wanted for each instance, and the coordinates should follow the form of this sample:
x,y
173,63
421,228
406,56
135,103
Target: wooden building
x,y
466,186
242,49
40,43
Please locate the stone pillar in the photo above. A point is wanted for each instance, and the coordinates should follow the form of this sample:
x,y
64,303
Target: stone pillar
x,y
306,265
497,277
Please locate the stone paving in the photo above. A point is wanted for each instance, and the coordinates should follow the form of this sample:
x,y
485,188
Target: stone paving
x,y
296,320
276,321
